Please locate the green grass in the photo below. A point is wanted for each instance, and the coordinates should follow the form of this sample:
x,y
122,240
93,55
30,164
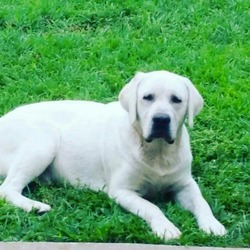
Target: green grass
x,y
77,49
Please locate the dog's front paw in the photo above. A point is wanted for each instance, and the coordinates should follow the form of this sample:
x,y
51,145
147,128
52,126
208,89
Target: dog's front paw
x,y
212,226
165,229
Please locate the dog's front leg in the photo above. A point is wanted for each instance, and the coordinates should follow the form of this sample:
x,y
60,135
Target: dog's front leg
x,y
159,224
191,199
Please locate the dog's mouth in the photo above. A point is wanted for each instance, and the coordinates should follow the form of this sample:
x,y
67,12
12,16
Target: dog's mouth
x,y
166,139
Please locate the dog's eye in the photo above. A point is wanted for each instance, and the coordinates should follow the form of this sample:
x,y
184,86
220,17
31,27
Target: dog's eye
x,y
175,99
148,97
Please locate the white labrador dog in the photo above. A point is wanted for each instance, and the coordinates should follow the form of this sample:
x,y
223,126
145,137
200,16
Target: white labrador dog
x,y
129,149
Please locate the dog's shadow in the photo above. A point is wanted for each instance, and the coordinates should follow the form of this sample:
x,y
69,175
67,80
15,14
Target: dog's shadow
x,y
159,198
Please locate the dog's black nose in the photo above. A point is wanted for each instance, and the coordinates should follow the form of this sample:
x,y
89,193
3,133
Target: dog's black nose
x,y
161,120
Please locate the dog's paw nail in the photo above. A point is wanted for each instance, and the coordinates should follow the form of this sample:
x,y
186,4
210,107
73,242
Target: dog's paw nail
x,y
166,230
213,227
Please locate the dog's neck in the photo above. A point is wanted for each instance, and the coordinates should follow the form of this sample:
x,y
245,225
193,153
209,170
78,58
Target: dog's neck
x,y
160,156
157,148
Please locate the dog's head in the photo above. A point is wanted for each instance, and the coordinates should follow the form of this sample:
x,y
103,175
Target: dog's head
x,y
160,101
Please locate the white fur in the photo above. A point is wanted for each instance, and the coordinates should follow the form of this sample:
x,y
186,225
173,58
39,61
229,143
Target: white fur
x,y
103,147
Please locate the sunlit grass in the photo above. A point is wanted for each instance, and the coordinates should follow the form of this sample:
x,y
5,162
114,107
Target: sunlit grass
x,y
54,50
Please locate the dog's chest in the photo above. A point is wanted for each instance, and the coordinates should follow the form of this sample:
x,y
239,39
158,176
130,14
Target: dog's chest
x,y
160,162
160,172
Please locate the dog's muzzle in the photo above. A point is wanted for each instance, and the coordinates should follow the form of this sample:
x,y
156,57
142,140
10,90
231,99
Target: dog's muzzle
x,y
161,128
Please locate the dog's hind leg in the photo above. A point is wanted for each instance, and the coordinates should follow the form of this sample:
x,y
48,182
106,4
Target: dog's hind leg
x,y
30,156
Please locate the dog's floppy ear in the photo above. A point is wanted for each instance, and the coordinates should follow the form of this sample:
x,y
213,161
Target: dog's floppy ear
x,y
195,102
128,96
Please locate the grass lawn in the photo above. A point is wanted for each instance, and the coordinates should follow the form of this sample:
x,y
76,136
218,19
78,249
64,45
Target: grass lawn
x,y
82,49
